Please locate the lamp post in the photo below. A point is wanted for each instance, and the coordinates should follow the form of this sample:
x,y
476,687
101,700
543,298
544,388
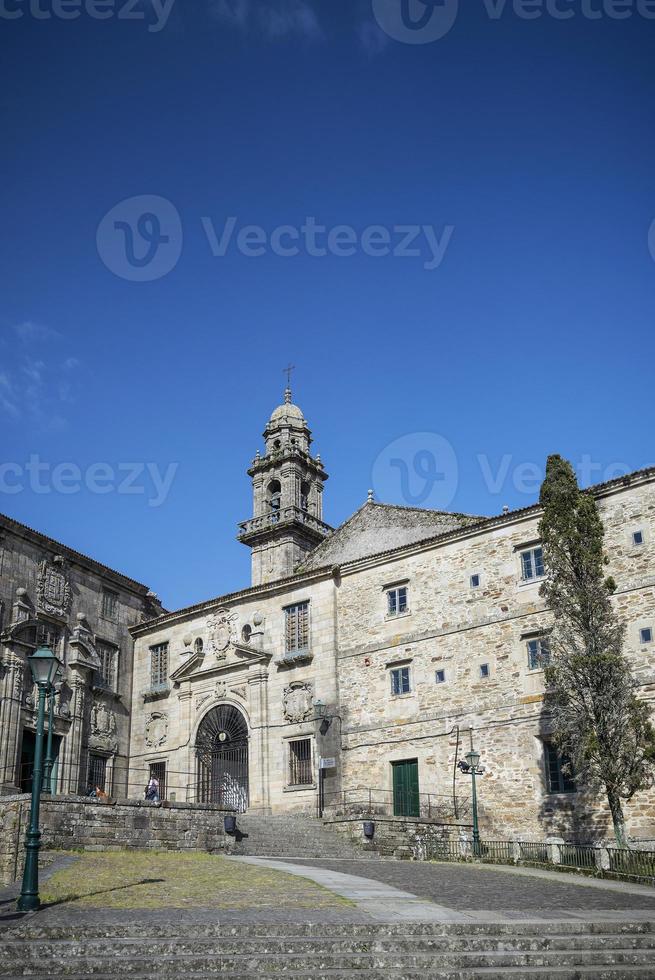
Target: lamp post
x,y
44,665
49,758
473,759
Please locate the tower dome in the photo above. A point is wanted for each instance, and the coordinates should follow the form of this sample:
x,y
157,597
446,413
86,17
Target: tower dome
x,y
286,411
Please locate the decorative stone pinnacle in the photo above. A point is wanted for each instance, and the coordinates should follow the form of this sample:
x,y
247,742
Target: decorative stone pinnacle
x,y
287,395
370,497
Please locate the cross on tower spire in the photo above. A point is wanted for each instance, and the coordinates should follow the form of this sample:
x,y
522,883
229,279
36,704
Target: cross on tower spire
x,y
287,391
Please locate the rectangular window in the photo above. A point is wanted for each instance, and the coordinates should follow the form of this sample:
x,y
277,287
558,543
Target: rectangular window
x,y
646,635
109,604
300,762
440,676
532,564
559,778
48,635
297,628
475,581
538,653
159,665
484,670
158,770
637,537
400,683
107,676
397,601
96,773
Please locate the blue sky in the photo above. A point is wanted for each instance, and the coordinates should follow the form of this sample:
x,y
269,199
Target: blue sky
x,y
517,152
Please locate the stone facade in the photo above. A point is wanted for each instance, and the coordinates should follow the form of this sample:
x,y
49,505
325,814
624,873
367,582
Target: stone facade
x,y
383,648
51,595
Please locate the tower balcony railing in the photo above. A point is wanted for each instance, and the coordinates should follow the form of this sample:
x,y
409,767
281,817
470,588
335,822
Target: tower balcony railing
x,y
285,515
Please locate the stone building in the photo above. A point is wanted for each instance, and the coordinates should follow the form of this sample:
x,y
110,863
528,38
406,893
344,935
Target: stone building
x,y
382,648
354,671
51,595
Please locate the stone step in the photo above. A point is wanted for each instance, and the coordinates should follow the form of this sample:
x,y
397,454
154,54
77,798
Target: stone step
x,y
15,950
32,930
511,973
272,964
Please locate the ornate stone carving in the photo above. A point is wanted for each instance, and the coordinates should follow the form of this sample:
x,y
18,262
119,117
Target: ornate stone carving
x,y
156,729
240,692
53,588
297,702
200,700
221,629
103,727
221,689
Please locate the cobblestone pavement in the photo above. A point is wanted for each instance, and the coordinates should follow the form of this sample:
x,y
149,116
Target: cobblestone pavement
x,y
472,887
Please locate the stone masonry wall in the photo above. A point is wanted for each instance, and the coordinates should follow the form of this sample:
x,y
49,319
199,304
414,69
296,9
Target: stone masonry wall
x,y
455,628
71,823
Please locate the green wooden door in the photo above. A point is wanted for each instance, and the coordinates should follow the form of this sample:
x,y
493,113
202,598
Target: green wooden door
x,y
405,788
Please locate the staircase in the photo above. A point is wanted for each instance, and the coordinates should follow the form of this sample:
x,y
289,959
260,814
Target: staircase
x,y
570,950
291,835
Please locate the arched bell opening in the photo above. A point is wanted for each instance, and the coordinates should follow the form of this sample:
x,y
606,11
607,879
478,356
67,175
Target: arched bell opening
x,y
222,754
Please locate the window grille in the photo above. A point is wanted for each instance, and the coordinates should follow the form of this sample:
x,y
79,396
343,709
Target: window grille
x,y
400,683
97,772
158,770
297,627
532,564
559,778
109,604
159,665
397,601
106,676
300,762
538,653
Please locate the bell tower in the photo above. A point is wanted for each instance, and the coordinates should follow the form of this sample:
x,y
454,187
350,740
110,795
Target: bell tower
x,y
287,487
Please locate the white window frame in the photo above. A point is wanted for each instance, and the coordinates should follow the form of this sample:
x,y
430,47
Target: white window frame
x,y
394,591
638,544
531,551
481,676
540,640
400,669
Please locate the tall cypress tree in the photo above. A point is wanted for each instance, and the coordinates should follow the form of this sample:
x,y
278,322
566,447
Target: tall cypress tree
x,y
599,722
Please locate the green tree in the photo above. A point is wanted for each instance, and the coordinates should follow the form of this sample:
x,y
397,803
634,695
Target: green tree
x,y
599,722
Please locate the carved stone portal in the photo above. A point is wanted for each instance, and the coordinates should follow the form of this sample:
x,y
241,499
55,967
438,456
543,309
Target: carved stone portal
x,y
156,729
53,589
298,701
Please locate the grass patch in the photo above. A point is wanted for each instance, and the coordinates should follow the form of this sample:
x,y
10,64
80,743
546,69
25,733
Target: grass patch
x,y
169,879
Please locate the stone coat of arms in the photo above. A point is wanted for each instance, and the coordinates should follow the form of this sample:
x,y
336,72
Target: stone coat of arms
x,y
298,701
156,729
220,632
53,588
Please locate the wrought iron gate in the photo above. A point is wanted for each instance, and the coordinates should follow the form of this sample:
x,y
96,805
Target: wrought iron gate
x,y
222,752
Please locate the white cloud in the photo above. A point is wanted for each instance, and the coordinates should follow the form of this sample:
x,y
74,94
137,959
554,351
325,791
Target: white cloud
x,y
32,387
30,332
273,19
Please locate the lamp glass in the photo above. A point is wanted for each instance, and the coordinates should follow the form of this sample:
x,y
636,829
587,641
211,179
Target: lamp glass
x,y
473,758
319,708
44,665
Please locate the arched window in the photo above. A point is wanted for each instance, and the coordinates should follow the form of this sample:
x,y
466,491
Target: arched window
x,y
198,645
304,495
275,498
246,633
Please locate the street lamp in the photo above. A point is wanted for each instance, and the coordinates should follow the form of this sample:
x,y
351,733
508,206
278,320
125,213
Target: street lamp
x,y
44,665
473,759
49,758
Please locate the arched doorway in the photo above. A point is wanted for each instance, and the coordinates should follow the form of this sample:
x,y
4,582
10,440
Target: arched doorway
x,y
222,753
